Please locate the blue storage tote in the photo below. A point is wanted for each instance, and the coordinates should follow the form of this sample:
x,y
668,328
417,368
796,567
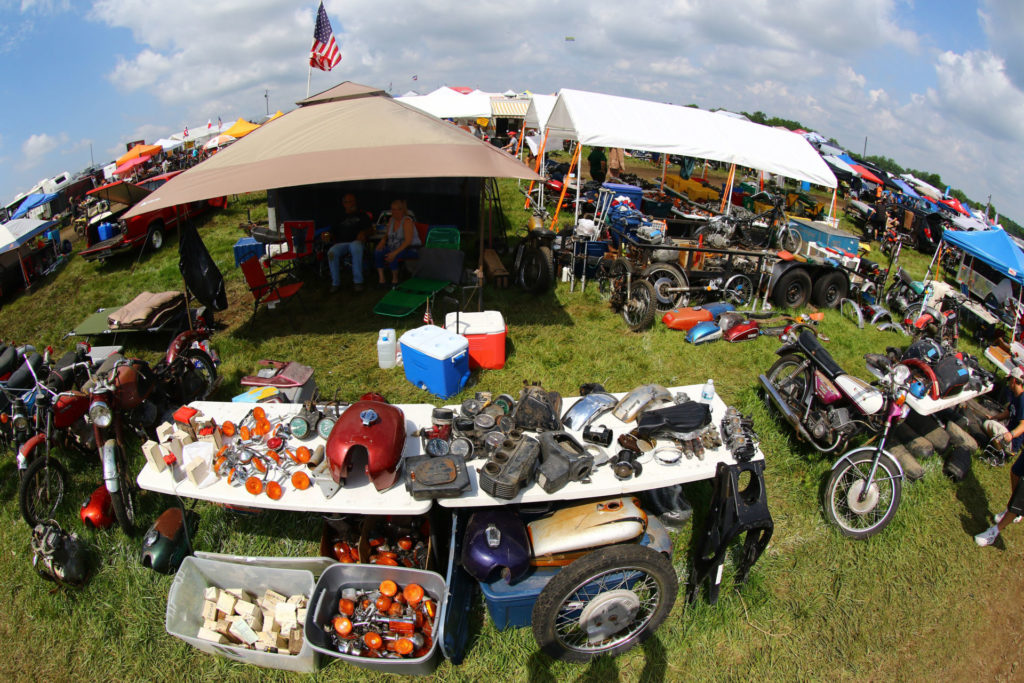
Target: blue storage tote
x,y
635,194
246,248
825,235
105,231
511,605
435,359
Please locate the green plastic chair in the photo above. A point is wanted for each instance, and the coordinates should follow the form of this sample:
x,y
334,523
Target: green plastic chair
x,y
443,237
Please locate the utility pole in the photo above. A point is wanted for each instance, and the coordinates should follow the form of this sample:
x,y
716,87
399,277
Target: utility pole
x,y
92,162
266,96
865,146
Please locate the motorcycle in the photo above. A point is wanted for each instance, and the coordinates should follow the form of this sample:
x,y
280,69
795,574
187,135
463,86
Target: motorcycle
x,y
534,262
827,408
765,230
60,421
628,293
17,397
941,323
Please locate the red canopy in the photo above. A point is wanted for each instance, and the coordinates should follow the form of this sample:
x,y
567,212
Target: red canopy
x,y
954,203
129,165
866,174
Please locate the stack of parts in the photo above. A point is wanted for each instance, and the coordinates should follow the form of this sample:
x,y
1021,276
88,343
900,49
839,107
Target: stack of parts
x,y
270,623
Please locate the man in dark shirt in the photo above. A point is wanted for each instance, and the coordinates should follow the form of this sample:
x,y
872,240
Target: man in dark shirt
x,y
598,164
1009,437
348,236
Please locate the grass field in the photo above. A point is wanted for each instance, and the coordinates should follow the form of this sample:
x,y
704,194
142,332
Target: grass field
x,y
918,601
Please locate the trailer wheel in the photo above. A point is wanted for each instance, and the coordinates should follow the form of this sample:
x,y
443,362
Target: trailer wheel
x,y
829,290
793,289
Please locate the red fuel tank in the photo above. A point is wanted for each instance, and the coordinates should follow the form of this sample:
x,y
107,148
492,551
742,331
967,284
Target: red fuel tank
x,y
372,432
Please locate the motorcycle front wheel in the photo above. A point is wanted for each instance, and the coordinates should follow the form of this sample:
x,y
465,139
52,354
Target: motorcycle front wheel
x,y
858,509
638,311
203,374
41,489
123,500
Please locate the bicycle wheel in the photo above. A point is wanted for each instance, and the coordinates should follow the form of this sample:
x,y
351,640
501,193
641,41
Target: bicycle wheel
x,y
41,489
861,510
739,289
791,240
638,311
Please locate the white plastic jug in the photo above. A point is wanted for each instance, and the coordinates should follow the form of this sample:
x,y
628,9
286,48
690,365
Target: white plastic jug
x,y
387,349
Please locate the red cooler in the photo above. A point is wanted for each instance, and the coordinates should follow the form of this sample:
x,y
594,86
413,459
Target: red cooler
x,y
486,334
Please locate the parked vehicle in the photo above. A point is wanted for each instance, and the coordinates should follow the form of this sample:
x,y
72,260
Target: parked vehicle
x,y
766,230
534,263
629,294
148,229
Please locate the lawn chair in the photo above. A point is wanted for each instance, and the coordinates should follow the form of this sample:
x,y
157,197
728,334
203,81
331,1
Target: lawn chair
x,y
277,288
300,244
437,270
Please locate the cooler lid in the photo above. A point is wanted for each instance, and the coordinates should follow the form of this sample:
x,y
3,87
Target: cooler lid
x,y
434,341
485,322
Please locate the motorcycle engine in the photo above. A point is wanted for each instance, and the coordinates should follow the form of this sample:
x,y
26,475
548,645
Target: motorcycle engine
x,y
818,425
144,415
84,434
716,240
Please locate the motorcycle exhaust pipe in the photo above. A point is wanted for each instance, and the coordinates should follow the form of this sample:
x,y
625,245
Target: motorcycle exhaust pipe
x,y
109,456
784,408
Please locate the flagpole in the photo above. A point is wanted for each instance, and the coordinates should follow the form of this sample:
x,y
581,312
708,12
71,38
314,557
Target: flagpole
x,y
309,75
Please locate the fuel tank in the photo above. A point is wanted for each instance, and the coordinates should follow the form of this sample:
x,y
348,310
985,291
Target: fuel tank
x,y
370,432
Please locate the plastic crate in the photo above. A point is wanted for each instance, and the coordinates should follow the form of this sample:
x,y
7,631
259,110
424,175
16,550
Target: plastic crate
x,y
324,605
246,248
813,231
511,605
185,606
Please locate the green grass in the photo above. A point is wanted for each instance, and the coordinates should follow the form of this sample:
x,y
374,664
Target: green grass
x,y
817,606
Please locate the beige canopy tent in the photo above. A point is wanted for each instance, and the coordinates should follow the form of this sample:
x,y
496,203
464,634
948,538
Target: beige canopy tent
x,y
350,132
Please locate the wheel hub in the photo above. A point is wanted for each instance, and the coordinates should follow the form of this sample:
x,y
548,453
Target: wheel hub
x,y
661,287
853,497
609,613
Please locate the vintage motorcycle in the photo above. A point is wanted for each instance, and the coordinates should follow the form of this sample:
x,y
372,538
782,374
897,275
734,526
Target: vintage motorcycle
x,y
765,230
827,407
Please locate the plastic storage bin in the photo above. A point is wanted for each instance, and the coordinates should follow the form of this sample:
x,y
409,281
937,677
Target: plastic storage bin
x,y
511,605
635,194
435,359
824,235
485,333
368,576
185,606
246,248
105,231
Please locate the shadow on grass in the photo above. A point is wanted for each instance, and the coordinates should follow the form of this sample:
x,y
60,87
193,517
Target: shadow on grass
x,y
971,494
605,668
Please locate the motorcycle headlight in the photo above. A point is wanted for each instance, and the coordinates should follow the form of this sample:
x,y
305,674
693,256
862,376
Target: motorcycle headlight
x,y
20,422
99,413
900,374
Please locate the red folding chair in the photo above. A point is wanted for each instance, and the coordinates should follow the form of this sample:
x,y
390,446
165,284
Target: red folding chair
x,y
299,236
264,290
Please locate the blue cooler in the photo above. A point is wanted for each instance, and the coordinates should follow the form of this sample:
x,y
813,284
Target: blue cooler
x,y
511,605
435,359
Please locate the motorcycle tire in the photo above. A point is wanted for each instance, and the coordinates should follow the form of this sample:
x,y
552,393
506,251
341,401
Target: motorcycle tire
x,y
41,489
124,499
797,393
663,276
620,578
638,311
791,240
200,365
863,519
537,270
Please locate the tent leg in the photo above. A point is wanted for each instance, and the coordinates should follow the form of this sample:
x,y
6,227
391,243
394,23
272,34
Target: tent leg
x,y
540,160
565,186
726,204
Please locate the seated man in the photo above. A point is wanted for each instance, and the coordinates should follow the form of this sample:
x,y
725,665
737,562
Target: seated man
x,y
348,237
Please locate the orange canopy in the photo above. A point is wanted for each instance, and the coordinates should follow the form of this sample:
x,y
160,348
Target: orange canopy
x,y
139,151
240,128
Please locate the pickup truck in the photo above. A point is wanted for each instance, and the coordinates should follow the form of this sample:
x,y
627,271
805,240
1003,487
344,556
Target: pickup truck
x,y
145,229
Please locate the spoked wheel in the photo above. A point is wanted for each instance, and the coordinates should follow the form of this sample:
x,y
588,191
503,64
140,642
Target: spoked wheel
x,y
41,489
123,500
638,311
739,289
665,277
604,603
537,270
851,310
790,379
201,376
861,510
791,240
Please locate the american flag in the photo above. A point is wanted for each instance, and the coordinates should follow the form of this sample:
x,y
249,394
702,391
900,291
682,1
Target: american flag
x,y
324,54
427,318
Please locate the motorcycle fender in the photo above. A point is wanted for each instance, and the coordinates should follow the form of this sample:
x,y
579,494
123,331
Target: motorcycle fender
x,y
183,341
108,454
784,349
25,452
868,449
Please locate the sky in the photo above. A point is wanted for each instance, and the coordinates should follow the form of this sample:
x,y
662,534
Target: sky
x,y
936,86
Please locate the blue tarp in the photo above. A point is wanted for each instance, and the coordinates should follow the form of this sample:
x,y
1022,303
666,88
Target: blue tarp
x,y
31,202
907,189
994,247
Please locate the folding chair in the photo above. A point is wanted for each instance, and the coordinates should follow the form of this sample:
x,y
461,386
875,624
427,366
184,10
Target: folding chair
x,y
264,290
437,270
300,244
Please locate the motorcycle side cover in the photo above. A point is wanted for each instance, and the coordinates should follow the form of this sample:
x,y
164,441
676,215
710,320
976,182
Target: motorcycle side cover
x,y
867,399
371,430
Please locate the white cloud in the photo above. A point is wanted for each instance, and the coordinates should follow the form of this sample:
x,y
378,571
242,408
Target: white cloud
x,y
975,88
1003,21
38,146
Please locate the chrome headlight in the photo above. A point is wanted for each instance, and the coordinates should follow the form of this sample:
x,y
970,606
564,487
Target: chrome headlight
x,y
20,422
900,374
99,413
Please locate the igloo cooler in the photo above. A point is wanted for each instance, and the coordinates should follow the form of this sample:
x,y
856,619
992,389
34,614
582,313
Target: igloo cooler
x,y
435,359
486,333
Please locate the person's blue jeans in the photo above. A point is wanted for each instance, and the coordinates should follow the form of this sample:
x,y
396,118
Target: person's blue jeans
x,y
337,253
405,254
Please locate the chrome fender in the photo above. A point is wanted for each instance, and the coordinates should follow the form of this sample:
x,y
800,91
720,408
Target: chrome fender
x,y
868,449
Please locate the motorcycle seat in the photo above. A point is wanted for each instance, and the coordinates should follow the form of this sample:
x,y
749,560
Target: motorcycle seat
x,y
21,380
905,277
62,375
808,342
8,359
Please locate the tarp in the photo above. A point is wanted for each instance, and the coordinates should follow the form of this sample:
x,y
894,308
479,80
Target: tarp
x,y
120,192
14,234
907,189
127,166
955,204
32,201
240,128
994,247
838,163
611,121
446,103
866,174
350,132
139,151
923,187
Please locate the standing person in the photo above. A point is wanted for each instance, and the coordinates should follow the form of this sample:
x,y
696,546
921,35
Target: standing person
x,y
598,164
1009,439
348,237
616,162
398,244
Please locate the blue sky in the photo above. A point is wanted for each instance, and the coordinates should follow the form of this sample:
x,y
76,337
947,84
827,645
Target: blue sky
x,y
937,86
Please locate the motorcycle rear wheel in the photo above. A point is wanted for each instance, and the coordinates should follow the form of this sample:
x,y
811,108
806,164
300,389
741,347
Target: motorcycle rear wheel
x,y
638,311
41,489
857,518
537,270
202,365
787,378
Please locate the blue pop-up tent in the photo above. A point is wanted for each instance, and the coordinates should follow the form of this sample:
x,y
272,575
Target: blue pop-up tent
x,y
32,201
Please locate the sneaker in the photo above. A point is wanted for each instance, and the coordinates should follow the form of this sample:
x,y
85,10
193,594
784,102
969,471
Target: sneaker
x,y
987,537
383,285
1002,514
357,287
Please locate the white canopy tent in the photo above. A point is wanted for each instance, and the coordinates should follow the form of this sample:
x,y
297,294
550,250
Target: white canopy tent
x,y
446,103
923,187
169,144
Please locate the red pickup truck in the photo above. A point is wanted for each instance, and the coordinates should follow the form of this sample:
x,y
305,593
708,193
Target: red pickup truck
x,y
109,234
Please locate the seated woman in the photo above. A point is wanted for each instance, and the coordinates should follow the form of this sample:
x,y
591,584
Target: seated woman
x,y
398,244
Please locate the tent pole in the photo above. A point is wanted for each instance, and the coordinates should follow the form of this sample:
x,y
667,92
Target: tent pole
x,y
540,158
726,204
565,186
664,168
480,265
309,77
832,205
579,184
935,256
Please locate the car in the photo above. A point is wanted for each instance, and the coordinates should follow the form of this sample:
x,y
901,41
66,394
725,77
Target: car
x,y
108,234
